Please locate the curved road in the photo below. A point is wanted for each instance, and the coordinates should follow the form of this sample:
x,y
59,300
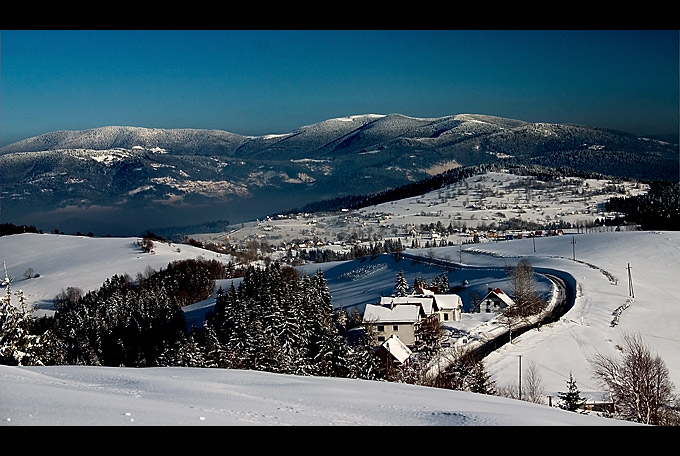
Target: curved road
x,y
566,295
564,301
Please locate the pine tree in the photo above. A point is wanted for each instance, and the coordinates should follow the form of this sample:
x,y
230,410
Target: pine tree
x,y
571,399
215,355
418,283
436,283
364,362
17,345
189,353
481,381
445,286
401,287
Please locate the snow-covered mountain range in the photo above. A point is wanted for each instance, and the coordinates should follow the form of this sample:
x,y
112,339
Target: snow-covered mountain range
x,y
123,180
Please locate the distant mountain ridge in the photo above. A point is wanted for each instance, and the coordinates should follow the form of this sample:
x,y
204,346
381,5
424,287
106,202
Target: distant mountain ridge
x,y
134,176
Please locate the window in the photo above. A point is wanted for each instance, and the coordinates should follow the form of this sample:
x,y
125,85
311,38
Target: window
x,y
381,328
381,338
446,316
395,327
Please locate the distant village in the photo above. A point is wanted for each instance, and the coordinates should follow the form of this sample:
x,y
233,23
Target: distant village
x,y
489,207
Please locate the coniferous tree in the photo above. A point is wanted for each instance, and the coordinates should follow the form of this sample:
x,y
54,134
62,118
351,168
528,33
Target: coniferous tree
x,y
571,399
418,283
214,354
445,286
364,362
468,373
189,353
436,283
401,287
481,381
18,346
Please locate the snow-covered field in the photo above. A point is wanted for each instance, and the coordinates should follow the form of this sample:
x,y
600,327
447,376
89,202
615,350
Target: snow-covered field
x,y
83,262
487,199
114,396
87,395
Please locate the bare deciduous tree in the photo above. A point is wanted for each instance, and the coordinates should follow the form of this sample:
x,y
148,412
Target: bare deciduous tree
x,y
532,385
639,383
523,290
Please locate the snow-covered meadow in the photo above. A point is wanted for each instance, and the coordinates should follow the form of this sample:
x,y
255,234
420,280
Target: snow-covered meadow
x,y
115,396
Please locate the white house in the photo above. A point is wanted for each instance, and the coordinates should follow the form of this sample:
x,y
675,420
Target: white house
x,y
494,301
449,307
399,319
401,315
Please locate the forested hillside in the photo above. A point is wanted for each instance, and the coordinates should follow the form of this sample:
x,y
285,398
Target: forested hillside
x,y
659,209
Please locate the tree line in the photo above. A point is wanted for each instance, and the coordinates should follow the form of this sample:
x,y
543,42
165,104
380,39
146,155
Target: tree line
x,y
276,320
658,209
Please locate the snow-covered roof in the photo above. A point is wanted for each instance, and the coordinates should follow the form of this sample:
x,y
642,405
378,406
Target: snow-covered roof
x,y
397,348
425,302
382,314
502,296
448,301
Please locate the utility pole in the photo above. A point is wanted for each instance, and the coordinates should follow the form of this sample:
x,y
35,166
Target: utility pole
x,y
573,247
520,377
630,283
534,238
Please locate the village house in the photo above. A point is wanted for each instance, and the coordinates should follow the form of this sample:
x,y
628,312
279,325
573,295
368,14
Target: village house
x,y
393,352
401,319
494,301
401,315
449,307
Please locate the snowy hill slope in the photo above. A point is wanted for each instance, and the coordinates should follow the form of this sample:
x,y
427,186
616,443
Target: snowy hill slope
x,y
601,274
113,396
63,261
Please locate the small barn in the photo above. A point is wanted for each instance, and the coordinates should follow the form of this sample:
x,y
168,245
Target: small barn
x,y
393,352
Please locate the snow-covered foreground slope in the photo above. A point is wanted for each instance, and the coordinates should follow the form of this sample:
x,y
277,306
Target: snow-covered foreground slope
x,y
78,395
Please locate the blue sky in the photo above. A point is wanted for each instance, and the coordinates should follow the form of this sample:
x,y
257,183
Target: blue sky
x,y
257,82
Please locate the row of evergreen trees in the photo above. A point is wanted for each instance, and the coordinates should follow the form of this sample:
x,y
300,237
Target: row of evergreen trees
x,y
279,321
276,320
